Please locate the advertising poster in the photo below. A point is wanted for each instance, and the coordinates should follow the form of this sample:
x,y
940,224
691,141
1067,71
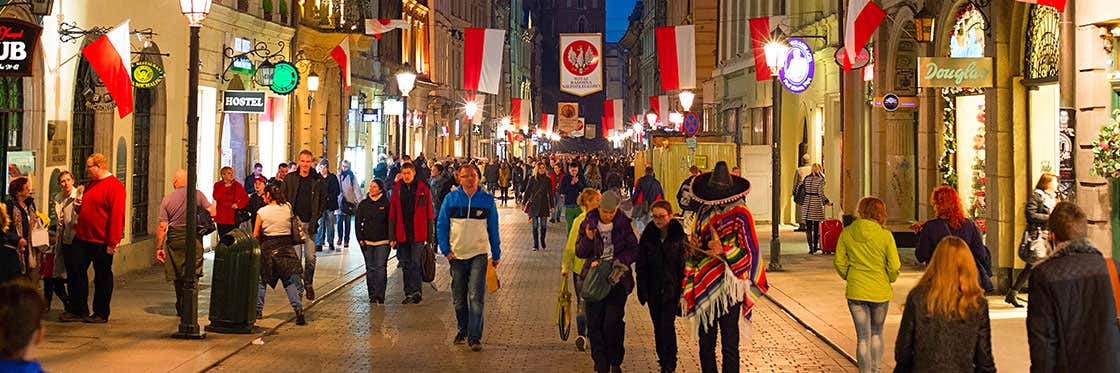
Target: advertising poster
x,y
567,119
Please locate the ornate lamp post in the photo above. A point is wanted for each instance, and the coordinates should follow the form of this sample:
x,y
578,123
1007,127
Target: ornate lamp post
x,y
406,80
776,51
195,11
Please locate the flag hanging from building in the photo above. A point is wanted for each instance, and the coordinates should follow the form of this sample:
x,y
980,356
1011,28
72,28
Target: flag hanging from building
x,y
376,27
864,16
482,59
548,122
341,54
676,56
520,113
1060,5
762,30
110,56
660,106
581,71
612,116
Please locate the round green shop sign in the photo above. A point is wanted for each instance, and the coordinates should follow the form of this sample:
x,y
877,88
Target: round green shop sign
x,y
285,78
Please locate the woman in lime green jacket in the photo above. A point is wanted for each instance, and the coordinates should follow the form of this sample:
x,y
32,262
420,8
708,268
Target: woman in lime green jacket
x,y
588,200
867,258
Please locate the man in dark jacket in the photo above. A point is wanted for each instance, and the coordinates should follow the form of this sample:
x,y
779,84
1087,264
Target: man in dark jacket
x,y
646,191
491,174
1071,317
381,171
327,220
253,177
659,269
571,185
308,193
441,184
410,208
423,172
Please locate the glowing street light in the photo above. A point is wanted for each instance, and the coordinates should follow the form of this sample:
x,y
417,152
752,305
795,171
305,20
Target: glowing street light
x,y
651,118
686,99
776,53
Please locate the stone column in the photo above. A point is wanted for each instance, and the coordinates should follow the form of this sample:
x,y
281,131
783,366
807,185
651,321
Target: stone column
x,y
1000,185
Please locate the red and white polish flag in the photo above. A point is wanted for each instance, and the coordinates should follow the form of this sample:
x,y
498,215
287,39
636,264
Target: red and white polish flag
x,y
660,105
482,59
548,122
612,116
1060,5
761,30
520,112
376,27
864,17
109,56
676,56
341,54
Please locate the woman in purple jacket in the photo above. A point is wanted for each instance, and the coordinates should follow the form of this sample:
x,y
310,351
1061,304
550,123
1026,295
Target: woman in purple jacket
x,y
605,326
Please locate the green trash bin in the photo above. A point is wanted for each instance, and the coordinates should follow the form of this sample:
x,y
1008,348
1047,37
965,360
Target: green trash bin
x,y
233,292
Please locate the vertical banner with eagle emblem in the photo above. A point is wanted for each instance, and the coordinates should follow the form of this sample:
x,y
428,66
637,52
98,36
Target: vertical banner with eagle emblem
x,y
581,68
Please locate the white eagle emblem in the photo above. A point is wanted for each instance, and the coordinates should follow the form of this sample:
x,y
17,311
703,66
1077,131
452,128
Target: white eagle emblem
x,y
582,59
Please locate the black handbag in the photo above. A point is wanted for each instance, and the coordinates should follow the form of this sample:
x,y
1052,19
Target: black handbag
x,y
204,222
298,234
346,208
428,263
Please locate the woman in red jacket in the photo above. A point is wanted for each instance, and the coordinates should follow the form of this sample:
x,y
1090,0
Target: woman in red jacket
x,y
229,196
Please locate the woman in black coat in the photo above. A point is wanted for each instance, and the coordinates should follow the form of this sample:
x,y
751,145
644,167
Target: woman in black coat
x,y
539,200
371,226
659,268
1039,204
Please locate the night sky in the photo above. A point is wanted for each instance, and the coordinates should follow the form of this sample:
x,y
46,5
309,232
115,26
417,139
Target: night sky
x,y
617,11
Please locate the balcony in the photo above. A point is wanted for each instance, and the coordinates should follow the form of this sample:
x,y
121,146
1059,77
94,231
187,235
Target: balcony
x,y
336,15
277,11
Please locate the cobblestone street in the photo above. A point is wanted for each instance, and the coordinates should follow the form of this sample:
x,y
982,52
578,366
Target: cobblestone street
x,y
345,333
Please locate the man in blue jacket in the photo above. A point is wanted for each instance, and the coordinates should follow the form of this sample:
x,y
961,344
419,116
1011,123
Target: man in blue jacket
x,y
465,212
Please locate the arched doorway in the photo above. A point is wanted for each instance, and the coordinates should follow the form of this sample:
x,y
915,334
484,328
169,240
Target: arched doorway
x,y
88,91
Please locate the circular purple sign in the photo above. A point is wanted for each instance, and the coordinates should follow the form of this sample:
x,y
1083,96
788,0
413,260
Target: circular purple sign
x,y
798,72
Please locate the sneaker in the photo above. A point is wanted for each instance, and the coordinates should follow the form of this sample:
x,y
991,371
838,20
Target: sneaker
x,y
536,248
408,299
71,317
300,320
475,346
581,343
95,319
259,315
416,298
310,293
460,338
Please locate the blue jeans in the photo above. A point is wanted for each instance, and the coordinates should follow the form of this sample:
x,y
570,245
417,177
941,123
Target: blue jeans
x,y
468,290
540,228
376,259
869,318
559,207
309,258
344,228
326,227
293,286
408,260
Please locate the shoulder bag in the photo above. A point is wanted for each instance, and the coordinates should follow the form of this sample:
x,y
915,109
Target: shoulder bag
x,y
428,263
1034,246
597,285
204,222
299,236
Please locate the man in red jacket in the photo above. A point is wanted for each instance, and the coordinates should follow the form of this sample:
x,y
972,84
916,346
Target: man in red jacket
x,y
411,209
98,232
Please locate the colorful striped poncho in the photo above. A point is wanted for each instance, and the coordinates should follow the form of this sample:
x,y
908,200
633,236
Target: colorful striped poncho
x,y
710,286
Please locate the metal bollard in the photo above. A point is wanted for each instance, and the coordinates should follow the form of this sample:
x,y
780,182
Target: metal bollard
x,y
233,295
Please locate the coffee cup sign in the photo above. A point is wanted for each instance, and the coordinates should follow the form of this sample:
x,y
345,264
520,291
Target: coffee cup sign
x,y
936,72
17,46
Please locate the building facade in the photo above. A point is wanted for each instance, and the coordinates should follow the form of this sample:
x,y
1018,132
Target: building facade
x,y
564,17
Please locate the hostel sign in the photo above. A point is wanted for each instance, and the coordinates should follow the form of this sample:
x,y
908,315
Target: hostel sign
x,y
252,102
954,72
17,46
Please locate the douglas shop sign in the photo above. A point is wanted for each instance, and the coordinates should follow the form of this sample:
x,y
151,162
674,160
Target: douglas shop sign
x,y
17,46
955,72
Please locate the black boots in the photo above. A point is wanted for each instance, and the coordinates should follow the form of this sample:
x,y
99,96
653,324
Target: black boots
x,y
1013,299
300,320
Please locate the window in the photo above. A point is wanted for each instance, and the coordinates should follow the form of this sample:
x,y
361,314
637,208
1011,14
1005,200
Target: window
x,y
141,143
81,146
11,110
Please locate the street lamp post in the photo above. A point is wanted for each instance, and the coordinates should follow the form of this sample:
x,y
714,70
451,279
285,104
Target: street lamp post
x,y
471,108
406,80
195,11
776,52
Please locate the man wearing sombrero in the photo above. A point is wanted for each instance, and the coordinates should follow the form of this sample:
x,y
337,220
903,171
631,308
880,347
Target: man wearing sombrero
x,y
723,263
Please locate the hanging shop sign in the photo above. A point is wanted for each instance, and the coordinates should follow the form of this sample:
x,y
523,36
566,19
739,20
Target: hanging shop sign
x,y
393,106
17,46
798,73
581,71
146,74
892,102
252,102
567,119
285,78
371,115
241,65
936,72
862,59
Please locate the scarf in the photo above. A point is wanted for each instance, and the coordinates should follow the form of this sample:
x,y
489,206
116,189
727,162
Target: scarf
x,y
713,285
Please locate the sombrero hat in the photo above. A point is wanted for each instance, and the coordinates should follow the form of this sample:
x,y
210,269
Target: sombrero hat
x,y
719,186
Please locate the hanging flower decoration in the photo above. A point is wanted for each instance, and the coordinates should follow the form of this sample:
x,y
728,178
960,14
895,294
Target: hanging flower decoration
x,y
978,204
1106,153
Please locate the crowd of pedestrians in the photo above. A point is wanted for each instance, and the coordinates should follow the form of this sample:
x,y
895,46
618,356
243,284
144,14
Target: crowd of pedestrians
x,y
699,262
